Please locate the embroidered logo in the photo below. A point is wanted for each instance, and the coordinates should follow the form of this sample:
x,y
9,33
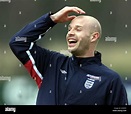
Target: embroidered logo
x,y
94,77
89,83
63,71
91,80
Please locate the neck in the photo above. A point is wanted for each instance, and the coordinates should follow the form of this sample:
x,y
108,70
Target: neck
x,y
88,53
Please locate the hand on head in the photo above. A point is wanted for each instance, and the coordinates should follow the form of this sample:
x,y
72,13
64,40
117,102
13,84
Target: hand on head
x,y
63,14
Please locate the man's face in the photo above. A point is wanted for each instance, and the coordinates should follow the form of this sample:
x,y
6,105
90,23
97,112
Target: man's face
x,y
78,37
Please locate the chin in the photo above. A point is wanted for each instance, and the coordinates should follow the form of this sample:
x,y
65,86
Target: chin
x,y
73,50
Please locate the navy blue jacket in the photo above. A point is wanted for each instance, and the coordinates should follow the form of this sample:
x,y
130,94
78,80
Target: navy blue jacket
x,y
65,80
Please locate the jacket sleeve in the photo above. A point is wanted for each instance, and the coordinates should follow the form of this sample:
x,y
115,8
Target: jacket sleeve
x,y
23,44
117,94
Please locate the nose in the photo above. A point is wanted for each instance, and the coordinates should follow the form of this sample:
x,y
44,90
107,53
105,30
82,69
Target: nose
x,y
71,32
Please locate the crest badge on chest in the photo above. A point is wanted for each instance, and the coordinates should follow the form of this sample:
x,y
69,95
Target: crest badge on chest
x,y
91,80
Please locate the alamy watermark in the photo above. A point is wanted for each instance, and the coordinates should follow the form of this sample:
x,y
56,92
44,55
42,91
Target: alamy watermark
x,y
20,39
111,38
9,109
5,78
95,1
5,1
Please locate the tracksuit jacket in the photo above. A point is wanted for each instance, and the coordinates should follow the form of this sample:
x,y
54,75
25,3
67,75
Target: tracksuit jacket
x,y
65,80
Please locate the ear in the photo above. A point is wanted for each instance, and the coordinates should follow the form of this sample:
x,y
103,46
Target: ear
x,y
95,36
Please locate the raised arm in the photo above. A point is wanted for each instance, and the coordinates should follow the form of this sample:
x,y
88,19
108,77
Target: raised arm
x,y
23,43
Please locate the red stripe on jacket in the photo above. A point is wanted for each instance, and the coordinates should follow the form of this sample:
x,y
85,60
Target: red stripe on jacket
x,y
33,73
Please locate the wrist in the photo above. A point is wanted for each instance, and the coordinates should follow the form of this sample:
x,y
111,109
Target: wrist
x,y
53,17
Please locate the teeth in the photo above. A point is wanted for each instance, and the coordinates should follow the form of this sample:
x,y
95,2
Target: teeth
x,y
71,40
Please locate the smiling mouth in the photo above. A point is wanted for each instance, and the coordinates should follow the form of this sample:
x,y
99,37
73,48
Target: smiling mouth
x,y
72,42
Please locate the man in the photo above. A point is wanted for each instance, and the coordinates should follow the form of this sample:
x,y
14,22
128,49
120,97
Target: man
x,y
81,79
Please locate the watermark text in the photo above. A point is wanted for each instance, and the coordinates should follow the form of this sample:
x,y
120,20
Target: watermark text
x,y
111,38
5,78
95,1
9,109
5,1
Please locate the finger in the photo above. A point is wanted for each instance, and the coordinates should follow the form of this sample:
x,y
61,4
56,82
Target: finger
x,y
71,17
77,10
